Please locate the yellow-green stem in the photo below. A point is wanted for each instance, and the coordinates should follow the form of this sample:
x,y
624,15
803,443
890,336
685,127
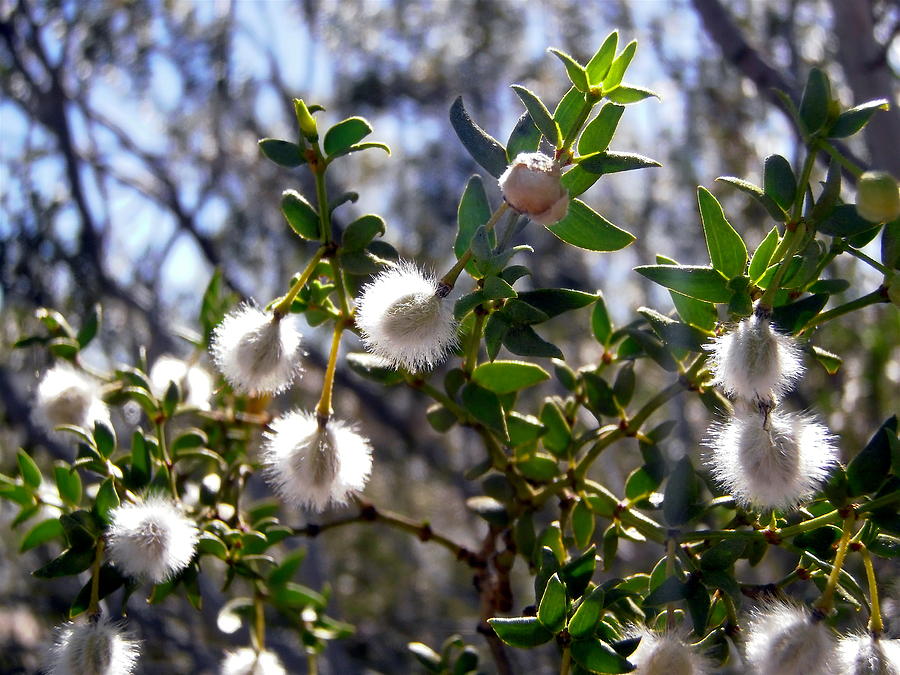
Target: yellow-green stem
x,y
312,663
284,305
876,296
875,623
94,606
850,166
825,603
323,409
792,240
322,200
167,460
869,261
566,664
475,343
259,622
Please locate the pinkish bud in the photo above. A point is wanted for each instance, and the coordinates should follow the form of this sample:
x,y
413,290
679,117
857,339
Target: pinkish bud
x,y
532,187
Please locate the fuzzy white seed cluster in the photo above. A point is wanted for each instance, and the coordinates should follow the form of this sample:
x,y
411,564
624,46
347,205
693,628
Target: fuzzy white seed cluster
x,y
531,185
790,640
257,352
195,382
868,655
247,661
666,654
764,457
152,540
94,646
404,318
312,464
68,396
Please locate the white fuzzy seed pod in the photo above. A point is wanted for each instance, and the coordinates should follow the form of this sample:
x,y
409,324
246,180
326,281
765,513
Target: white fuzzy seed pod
x,y
195,382
92,647
153,540
68,396
788,640
666,654
770,462
247,661
531,185
867,655
311,466
756,362
256,353
404,320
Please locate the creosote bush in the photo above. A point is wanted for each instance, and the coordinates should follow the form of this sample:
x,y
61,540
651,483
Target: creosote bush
x,y
741,335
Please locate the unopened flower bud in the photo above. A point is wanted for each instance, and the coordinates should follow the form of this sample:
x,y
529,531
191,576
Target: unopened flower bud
x,y
247,661
255,351
868,655
153,540
405,319
94,646
306,121
531,185
877,197
312,464
68,396
754,361
769,461
666,654
789,640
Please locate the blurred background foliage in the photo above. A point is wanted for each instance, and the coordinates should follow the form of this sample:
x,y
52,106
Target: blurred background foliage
x,y
130,170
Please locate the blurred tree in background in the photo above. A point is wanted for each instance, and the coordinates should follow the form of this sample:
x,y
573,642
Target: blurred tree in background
x,y
130,170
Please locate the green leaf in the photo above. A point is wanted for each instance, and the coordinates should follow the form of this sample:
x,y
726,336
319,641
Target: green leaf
x,y
540,468
703,283
496,288
439,417
106,500
89,327
780,183
599,132
629,93
523,341
63,347
582,524
576,72
584,621
601,324
193,438
722,555
552,609
682,495
525,137
285,571
483,148
344,134
890,245
31,474
41,533
300,215
617,70
474,211
830,362
790,318
503,377
759,195
815,101
614,162
599,395
523,632
210,544
844,221
763,254
640,484
598,657
104,438
558,434
110,580
539,113
869,469
68,483
361,231
697,599
598,67
670,590
555,301
585,228
141,466
359,147
283,153
577,572
727,250
851,121
69,562
831,192
569,110
426,656
485,407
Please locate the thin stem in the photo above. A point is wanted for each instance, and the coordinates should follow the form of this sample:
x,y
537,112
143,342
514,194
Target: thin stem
x,y
872,298
825,603
322,200
312,663
870,261
670,571
438,396
449,279
805,173
323,409
475,343
791,242
167,460
259,622
284,305
875,623
94,606
566,664
849,165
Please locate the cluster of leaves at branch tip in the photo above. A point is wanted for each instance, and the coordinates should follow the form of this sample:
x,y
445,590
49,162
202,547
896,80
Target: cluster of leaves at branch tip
x,y
145,509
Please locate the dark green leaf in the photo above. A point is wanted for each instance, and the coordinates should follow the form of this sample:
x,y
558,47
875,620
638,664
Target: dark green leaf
x,y
851,121
569,111
575,71
619,65
779,180
41,533
723,554
844,221
601,324
640,484
613,162
697,599
141,466
69,562
29,470
426,656
68,483
869,469
703,283
361,231
193,438
587,229
585,619
523,428
727,250
523,341
439,417
815,101
89,327
474,211
283,153
672,589
598,67
576,180
682,495
373,368
543,120
485,407
598,657
483,148
359,147
558,434
104,438
286,570
600,395
890,245
577,573
63,347
763,255
757,193
523,632
346,133
831,192
503,377
790,318
599,132
210,544
555,301
110,581
300,215
582,524
623,387
106,500
539,468
497,289
525,137
552,609
629,93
